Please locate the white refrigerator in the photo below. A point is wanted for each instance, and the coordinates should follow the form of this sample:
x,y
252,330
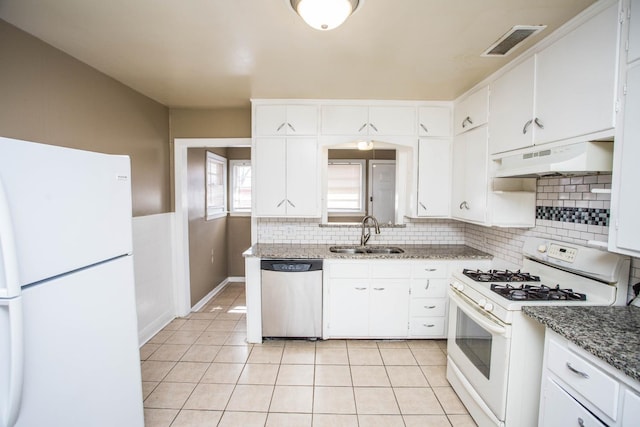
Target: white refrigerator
x,y
68,328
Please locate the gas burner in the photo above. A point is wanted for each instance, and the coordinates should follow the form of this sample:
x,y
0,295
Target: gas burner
x,y
537,293
500,276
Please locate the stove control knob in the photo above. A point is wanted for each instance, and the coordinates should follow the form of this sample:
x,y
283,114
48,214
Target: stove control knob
x,y
482,302
542,248
488,306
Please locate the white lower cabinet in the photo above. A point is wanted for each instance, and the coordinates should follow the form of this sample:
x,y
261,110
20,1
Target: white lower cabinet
x,y
367,299
581,390
388,298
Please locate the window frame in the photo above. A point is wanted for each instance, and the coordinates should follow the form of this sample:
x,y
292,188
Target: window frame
x,y
213,211
363,188
232,186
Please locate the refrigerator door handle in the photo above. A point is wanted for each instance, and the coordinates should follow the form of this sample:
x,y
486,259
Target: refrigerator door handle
x,y
16,362
10,298
9,283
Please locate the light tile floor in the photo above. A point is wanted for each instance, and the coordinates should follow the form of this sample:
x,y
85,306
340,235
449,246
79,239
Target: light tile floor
x,y
199,371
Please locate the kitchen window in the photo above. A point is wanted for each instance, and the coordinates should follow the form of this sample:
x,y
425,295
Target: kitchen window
x,y
346,186
216,186
240,179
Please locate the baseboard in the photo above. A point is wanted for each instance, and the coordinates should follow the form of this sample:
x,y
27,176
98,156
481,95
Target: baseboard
x,y
215,291
156,326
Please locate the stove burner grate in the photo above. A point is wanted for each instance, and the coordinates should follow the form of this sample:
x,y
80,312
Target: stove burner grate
x,y
500,276
537,293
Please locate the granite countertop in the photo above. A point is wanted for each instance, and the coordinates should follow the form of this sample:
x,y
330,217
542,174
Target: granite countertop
x,y
612,334
294,251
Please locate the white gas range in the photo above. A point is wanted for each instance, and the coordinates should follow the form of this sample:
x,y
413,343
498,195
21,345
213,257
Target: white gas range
x,y
494,350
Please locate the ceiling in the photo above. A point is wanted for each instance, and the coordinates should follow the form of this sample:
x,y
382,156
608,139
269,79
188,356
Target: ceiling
x,y
221,53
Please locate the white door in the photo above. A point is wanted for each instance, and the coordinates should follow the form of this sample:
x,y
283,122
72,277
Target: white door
x,y
576,80
627,224
511,106
434,177
302,177
389,308
382,190
270,177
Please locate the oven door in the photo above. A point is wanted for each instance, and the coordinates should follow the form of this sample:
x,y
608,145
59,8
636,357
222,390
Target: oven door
x,y
478,344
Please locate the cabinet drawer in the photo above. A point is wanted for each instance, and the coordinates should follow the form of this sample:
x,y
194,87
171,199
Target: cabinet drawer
x,y
430,269
430,288
586,379
349,270
559,409
390,270
427,327
428,307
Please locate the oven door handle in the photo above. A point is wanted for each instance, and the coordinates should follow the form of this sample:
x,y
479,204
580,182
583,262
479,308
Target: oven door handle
x,y
478,317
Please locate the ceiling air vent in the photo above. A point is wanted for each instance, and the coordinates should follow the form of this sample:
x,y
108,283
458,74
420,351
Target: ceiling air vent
x,y
511,39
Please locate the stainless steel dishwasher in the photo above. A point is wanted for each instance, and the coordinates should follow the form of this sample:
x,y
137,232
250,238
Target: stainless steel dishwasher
x,y
291,298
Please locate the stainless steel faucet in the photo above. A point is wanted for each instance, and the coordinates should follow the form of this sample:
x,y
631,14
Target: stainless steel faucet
x,y
364,237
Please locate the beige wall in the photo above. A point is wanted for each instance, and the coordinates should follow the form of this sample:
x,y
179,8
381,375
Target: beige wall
x,y
49,97
205,237
214,123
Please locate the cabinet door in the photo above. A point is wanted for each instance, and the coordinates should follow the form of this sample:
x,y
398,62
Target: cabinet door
x,y
270,120
625,211
472,111
630,408
634,32
470,176
434,177
344,120
392,120
434,121
389,308
302,120
270,181
348,308
302,177
511,107
576,80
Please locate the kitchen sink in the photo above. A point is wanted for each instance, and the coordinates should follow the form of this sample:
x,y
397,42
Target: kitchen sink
x,y
366,250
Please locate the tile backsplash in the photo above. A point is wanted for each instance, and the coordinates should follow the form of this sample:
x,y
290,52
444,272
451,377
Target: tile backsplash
x,y
572,209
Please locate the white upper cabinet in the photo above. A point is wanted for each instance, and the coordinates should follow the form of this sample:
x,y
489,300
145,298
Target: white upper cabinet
x,y
368,121
472,111
286,177
511,124
624,230
273,120
434,121
434,177
576,80
470,163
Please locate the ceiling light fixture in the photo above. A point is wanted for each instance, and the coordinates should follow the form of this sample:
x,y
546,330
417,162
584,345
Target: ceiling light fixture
x,y
324,15
365,145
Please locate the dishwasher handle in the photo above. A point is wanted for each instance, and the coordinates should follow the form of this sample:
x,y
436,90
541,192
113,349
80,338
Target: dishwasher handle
x,y
291,265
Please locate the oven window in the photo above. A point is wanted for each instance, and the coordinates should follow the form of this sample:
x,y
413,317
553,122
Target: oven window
x,y
475,343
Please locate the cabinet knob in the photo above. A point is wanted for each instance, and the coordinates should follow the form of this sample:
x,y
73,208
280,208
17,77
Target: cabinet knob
x,y
429,307
526,126
292,205
422,206
362,127
539,123
291,127
373,127
465,121
281,202
378,289
580,422
361,289
280,127
464,205
424,128
428,325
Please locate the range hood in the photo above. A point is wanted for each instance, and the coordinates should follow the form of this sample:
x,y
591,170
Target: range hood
x,y
579,158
